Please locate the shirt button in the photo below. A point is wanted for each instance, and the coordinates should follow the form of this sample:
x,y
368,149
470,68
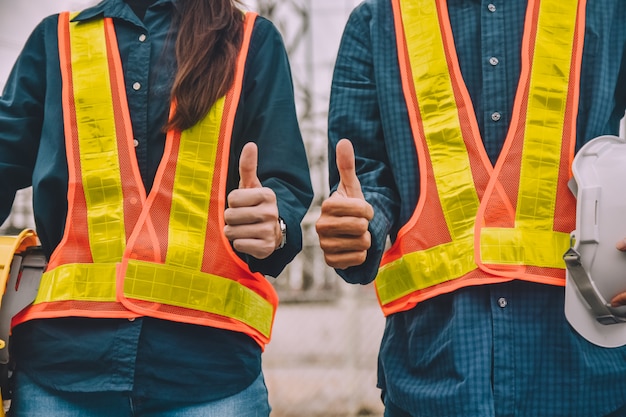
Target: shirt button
x,y
135,143
494,61
142,37
502,302
491,8
136,86
495,116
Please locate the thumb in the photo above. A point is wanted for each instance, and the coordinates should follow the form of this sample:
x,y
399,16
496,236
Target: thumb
x,y
247,167
348,181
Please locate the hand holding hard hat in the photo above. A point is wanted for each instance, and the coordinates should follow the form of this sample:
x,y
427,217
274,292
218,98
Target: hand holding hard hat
x,y
620,299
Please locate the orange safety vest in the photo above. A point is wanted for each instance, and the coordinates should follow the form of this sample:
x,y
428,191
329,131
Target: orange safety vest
x,y
125,254
475,223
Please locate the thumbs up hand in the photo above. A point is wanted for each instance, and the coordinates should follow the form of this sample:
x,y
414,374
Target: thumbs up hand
x,y
252,214
343,224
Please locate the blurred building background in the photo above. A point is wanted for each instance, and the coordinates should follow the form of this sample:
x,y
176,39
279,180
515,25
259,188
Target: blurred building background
x,y
322,359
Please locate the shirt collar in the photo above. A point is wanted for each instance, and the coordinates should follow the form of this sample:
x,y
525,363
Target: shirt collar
x,y
112,8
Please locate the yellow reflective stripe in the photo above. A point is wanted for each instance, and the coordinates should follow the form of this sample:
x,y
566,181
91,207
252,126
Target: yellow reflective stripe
x,y
192,190
200,291
97,140
439,113
78,282
539,173
549,82
524,247
423,269
451,165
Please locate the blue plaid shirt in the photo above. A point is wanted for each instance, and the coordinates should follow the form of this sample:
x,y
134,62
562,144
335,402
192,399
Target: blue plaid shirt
x,y
493,350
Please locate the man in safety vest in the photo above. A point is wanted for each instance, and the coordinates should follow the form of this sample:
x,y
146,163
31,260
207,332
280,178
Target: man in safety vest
x,y
465,118
169,178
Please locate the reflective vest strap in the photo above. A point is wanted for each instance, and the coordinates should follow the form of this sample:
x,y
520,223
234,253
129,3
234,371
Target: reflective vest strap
x,y
95,124
78,282
194,187
422,269
523,247
554,75
439,114
548,96
204,292
75,196
192,190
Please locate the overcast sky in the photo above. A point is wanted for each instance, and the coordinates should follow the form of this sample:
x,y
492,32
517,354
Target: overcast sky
x,y
17,20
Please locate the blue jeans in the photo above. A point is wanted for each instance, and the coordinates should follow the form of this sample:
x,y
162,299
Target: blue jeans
x,y
33,400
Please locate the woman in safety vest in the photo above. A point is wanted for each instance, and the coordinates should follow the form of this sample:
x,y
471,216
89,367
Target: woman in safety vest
x,y
462,120
169,178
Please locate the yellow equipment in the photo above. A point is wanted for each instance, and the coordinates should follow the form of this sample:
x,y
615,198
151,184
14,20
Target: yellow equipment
x,y
21,265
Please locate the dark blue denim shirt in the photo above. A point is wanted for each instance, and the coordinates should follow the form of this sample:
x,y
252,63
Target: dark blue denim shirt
x,y
492,350
149,357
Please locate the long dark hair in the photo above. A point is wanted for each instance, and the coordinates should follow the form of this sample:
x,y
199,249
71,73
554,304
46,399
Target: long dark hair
x,y
208,42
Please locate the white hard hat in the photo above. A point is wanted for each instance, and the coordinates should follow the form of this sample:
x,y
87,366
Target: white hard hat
x,y
596,270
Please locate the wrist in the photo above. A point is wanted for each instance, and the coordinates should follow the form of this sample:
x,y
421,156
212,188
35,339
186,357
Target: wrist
x,y
282,236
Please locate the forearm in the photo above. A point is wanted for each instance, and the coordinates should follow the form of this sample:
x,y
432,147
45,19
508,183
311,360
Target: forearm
x,y
354,114
268,117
